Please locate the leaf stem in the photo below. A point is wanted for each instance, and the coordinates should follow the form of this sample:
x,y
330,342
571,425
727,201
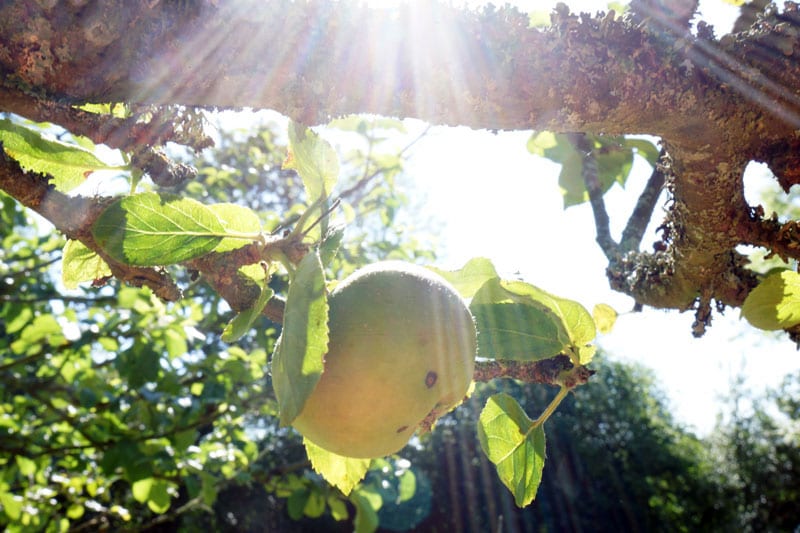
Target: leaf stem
x,y
550,409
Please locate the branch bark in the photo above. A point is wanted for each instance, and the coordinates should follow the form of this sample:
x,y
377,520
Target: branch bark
x,y
716,103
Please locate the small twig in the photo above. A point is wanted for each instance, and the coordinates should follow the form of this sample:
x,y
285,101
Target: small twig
x,y
590,178
643,212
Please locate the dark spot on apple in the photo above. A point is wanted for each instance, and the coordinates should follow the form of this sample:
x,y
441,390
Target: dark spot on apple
x,y
402,429
430,379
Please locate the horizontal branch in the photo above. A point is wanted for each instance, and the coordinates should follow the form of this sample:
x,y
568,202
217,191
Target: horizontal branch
x,y
558,370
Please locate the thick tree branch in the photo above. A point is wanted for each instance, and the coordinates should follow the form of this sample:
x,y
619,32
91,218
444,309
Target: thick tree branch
x,y
716,103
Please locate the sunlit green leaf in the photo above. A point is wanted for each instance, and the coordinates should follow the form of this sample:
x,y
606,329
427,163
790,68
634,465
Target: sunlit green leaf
x,y
577,321
515,327
69,164
338,508
514,445
471,277
775,302
330,244
236,219
80,264
315,505
12,505
407,486
314,159
604,317
341,472
613,156
367,502
27,467
153,491
150,229
297,362
241,323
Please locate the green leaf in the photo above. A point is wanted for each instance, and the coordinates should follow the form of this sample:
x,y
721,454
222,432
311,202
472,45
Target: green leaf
x,y
12,505
643,148
775,303
69,164
613,155
342,472
604,317
237,220
153,491
470,277
151,229
577,321
27,467
330,244
315,504
296,503
297,362
338,508
514,445
79,264
315,161
242,322
515,327
406,487
367,503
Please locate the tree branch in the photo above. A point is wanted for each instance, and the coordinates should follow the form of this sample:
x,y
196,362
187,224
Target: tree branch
x,y
643,212
717,104
590,179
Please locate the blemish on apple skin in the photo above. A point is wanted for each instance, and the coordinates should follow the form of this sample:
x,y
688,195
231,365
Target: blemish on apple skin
x,y
430,379
402,429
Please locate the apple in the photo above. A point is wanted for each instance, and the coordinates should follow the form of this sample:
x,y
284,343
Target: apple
x,y
401,353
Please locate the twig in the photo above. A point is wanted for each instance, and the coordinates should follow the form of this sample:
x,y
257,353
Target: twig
x,y
545,371
643,212
590,178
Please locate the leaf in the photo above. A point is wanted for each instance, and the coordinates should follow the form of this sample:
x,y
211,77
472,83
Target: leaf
x,y
406,487
12,505
338,508
575,318
604,317
153,491
296,503
330,244
236,219
342,472
79,264
643,148
515,446
367,504
151,229
775,303
470,277
242,322
69,164
515,327
315,161
27,467
613,155
298,360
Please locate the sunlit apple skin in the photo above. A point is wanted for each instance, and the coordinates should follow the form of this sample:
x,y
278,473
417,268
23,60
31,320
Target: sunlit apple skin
x,y
401,351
